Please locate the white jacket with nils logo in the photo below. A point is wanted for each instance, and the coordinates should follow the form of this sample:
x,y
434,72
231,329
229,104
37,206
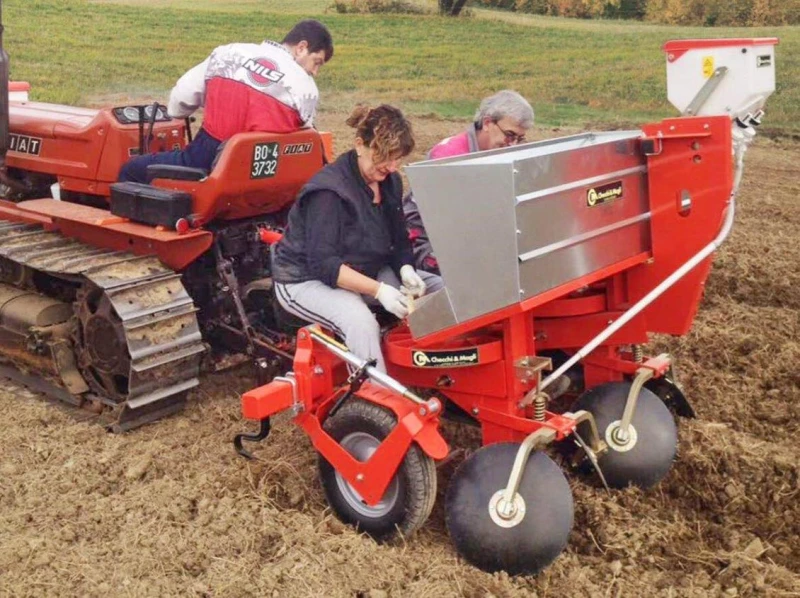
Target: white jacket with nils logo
x,y
247,87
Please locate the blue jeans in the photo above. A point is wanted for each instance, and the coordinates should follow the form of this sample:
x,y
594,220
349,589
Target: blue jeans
x,y
200,153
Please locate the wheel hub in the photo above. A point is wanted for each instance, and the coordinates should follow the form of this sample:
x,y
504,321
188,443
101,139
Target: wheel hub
x,y
103,343
620,440
361,446
506,513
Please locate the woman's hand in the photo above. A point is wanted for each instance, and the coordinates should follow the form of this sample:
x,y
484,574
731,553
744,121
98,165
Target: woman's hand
x,y
392,300
412,281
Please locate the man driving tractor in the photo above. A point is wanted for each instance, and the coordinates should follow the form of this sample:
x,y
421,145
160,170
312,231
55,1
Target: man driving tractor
x,y
267,87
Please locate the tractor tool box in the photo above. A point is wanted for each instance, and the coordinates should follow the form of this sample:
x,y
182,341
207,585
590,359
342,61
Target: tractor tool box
x,y
149,205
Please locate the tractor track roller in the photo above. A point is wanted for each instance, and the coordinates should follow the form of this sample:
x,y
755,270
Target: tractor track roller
x,y
105,328
535,530
642,457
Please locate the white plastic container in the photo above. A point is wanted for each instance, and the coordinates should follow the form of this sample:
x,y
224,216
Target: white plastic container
x,y
740,74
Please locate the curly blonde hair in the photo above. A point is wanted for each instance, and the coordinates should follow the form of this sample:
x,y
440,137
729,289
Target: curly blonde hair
x,y
383,129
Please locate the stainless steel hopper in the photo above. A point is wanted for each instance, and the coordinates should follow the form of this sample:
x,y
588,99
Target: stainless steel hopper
x,y
512,223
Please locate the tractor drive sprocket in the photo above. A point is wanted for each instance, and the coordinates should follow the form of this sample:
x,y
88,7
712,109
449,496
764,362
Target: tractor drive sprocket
x,y
101,347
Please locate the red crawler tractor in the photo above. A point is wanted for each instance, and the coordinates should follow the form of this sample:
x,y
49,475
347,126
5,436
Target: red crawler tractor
x,y
110,294
587,244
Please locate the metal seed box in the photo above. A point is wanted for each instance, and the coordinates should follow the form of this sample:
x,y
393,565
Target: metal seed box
x,y
512,223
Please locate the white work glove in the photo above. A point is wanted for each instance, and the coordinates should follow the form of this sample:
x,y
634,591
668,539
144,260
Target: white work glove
x,y
412,281
392,300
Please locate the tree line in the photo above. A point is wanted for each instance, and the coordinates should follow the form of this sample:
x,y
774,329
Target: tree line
x,y
748,13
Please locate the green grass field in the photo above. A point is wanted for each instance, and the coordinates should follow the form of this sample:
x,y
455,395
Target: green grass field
x,y
574,72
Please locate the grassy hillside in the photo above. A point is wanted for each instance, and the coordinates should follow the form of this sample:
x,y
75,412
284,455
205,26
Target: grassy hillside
x,y
574,72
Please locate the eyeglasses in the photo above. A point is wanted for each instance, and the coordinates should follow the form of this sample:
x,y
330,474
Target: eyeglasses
x,y
511,136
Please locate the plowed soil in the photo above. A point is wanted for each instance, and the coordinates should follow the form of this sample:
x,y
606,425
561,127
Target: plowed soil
x,y
171,510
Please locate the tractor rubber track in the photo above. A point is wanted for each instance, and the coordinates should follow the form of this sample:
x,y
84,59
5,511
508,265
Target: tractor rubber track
x,y
153,319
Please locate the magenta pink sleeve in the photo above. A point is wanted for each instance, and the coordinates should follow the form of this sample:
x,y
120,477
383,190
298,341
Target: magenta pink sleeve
x,y
456,145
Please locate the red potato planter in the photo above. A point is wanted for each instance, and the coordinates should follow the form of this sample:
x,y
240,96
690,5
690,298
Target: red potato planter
x,y
583,245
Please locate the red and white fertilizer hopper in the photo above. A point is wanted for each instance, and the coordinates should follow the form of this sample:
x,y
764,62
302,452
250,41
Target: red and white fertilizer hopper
x,y
565,253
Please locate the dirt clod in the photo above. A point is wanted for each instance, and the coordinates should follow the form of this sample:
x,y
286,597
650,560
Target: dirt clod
x,y
138,468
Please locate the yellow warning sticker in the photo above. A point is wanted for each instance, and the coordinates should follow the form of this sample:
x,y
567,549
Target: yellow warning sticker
x,y
708,66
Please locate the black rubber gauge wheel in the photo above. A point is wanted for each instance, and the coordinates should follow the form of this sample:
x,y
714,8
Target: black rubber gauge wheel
x,y
530,535
642,457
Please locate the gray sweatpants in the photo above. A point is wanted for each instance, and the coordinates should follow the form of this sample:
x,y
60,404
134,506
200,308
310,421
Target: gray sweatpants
x,y
344,312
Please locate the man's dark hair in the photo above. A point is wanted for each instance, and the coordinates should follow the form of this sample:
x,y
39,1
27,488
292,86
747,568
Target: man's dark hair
x,y
314,33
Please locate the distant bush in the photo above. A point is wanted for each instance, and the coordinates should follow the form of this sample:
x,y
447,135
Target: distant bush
x,y
584,9
626,9
674,12
378,6
724,12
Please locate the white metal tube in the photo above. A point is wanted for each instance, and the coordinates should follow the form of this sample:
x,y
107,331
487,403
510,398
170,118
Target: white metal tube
x,y
740,146
374,373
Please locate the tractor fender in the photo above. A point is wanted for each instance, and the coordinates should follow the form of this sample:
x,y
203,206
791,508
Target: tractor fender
x,y
428,437
422,428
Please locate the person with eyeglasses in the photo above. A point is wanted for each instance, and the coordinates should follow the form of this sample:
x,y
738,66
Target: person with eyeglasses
x,y
501,120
